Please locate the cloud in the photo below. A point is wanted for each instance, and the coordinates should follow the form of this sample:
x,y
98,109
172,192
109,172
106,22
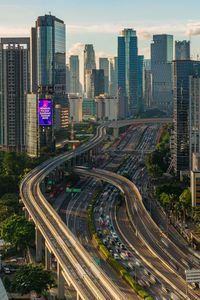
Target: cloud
x,y
145,51
12,31
76,49
193,29
144,35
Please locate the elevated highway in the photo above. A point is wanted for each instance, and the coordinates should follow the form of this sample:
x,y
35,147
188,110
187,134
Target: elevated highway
x,y
74,266
167,260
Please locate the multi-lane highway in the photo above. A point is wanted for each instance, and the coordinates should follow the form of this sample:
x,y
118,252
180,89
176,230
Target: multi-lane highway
x,y
77,266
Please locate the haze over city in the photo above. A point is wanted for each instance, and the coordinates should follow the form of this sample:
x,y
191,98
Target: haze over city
x,y
100,150
99,22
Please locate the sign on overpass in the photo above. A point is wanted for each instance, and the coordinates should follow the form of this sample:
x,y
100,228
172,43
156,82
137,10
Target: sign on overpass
x,y
193,275
73,190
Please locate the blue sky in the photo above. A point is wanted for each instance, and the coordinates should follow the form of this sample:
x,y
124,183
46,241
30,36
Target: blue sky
x,y
99,21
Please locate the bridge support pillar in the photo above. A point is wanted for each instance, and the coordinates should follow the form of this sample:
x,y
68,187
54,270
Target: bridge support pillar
x,y
116,132
47,258
38,243
26,213
61,283
78,296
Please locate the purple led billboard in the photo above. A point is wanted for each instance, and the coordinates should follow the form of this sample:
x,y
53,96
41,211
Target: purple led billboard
x,y
45,112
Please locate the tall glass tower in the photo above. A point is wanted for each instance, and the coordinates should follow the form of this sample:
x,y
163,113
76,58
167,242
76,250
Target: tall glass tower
x,y
127,72
89,63
74,74
161,67
48,46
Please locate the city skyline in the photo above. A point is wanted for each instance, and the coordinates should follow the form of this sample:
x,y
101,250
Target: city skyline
x,y
105,21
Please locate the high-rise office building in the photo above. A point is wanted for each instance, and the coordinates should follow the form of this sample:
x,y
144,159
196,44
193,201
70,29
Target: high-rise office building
x,y
74,74
161,67
127,73
48,73
104,65
148,97
182,50
113,86
67,79
94,83
148,84
194,113
140,104
89,62
182,70
14,86
50,53
76,109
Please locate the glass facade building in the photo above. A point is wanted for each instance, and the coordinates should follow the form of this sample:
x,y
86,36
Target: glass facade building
x,y
127,73
182,50
140,104
74,74
104,65
89,65
182,70
161,67
51,62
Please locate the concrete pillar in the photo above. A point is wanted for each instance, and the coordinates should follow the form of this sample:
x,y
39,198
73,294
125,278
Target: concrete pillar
x,y
61,282
38,244
116,132
26,213
47,258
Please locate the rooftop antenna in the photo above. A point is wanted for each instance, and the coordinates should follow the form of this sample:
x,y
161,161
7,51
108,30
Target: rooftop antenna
x,y
50,13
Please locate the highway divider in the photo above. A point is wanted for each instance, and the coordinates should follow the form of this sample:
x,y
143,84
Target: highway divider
x,y
113,262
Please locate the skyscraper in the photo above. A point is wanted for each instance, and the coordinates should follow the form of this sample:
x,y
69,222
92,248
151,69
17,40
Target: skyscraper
x,y
96,83
161,66
182,70
194,113
104,65
113,89
182,50
74,74
14,85
89,62
140,104
127,72
67,79
49,49
48,76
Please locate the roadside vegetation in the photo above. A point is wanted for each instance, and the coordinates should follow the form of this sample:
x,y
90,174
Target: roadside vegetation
x,y
30,278
16,231
174,195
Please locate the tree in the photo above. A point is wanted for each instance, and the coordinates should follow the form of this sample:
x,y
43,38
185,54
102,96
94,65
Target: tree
x,y
166,200
32,278
196,214
8,184
11,200
17,231
5,212
185,201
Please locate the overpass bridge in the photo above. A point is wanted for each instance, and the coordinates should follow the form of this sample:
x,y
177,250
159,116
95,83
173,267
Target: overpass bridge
x,y
121,123
74,265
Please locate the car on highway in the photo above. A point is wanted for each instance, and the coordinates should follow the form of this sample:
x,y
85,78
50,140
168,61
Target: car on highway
x,y
116,256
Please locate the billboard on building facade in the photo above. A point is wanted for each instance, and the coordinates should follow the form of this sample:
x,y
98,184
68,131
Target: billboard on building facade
x,y
45,112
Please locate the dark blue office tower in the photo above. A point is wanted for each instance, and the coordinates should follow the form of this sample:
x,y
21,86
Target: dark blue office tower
x,y
127,73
